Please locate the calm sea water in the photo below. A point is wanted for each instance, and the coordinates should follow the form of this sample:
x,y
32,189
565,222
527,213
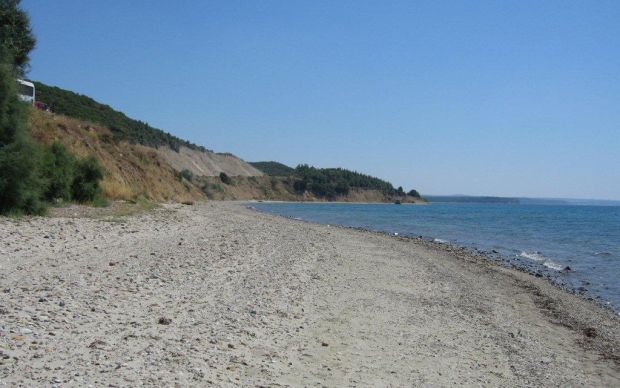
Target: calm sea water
x,y
541,238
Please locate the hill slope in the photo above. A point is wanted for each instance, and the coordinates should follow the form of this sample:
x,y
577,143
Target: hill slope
x,y
142,161
179,153
274,168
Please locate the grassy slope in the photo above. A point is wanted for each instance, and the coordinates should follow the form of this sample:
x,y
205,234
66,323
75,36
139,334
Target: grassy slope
x,y
82,107
132,170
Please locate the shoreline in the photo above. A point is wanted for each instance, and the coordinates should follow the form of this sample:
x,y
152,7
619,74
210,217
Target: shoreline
x,y
474,255
553,276
216,293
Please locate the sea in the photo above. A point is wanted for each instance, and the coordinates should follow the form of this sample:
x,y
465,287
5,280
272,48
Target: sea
x,y
576,246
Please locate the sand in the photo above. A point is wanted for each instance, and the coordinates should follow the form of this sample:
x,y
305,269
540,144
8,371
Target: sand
x,y
218,294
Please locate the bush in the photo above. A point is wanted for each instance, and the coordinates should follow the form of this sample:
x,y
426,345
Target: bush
x,y
85,186
20,182
187,174
225,178
59,171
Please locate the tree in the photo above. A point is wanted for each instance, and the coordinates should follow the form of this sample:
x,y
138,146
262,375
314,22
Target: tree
x,y
414,193
21,181
15,34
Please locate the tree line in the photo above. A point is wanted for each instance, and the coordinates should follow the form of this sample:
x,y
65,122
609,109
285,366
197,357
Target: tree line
x,y
124,128
330,182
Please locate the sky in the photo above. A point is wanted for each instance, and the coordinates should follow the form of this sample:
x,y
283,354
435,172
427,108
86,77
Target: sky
x,y
509,98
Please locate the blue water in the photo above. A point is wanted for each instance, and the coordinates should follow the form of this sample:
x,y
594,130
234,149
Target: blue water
x,y
543,239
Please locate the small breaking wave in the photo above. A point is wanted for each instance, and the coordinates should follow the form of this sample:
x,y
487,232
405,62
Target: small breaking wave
x,y
438,240
536,256
554,266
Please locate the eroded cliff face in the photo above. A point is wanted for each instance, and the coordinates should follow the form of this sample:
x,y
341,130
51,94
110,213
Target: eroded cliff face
x,y
134,170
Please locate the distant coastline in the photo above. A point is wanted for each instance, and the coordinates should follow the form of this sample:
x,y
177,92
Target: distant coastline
x,y
519,200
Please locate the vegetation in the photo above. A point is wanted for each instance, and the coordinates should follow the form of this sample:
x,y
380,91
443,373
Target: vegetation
x,y
274,168
414,193
332,182
85,185
20,157
329,182
16,35
187,175
31,174
225,178
124,128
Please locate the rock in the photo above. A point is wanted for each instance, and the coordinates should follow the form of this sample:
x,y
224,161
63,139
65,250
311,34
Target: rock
x,y
324,343
96,344
231,346
164,321
590,332
113,263
61,303
25,330
567,269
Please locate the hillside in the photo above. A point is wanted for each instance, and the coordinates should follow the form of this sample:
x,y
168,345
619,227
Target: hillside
x,y
142,161
273,168
82,107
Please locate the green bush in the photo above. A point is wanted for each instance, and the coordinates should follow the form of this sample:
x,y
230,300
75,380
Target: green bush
x,y
225,178
20,182
59,171
88,173
187,174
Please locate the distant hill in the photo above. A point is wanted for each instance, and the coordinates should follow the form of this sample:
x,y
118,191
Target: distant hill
x,y
82,107
274,168
470,199
332,183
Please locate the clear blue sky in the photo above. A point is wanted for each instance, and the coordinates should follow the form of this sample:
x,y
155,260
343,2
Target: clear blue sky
x,y
470,97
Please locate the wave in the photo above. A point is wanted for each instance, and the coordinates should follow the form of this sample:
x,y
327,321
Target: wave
x,y
536,256
602,254
553,266
438,240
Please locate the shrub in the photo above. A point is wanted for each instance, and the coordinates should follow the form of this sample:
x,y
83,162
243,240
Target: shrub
x,y
225,178
20,182
187,174
59,171
85,185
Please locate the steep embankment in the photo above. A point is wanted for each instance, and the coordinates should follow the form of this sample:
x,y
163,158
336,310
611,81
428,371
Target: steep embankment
x,y
139,160
132,170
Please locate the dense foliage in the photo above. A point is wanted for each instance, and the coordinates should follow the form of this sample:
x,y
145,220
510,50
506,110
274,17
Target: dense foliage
x,y
30,174
16,34
225,178
124,128
274,168
20,178
331,182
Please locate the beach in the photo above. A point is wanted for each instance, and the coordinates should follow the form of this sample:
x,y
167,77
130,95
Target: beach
x,y
218,294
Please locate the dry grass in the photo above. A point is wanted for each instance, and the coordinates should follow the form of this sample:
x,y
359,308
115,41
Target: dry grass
x,y
131,170
112,188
